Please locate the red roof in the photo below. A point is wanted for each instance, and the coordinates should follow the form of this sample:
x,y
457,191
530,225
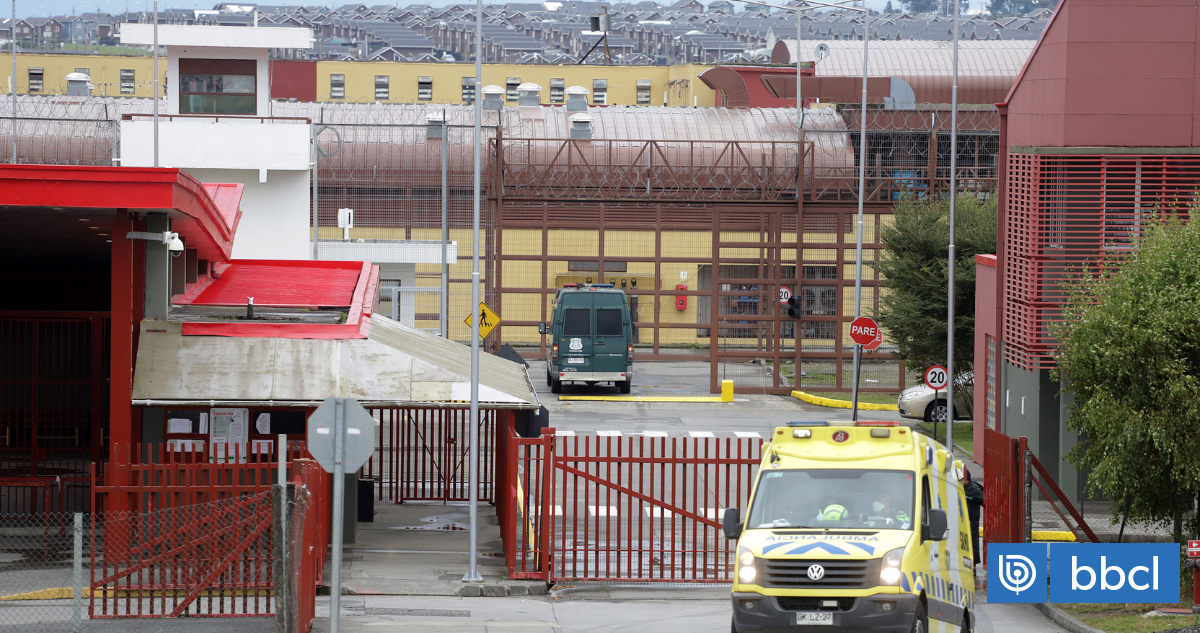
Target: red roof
x,y
283,284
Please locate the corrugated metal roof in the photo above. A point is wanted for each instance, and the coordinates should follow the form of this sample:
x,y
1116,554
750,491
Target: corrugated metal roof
x,y
913,58
397,365
284,284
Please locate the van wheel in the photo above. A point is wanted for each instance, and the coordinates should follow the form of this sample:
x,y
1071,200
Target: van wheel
x,y
549,378
625,385
919,625
555,386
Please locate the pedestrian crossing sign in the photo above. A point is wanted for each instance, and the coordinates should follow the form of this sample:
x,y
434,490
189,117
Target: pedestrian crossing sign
x,y
488,320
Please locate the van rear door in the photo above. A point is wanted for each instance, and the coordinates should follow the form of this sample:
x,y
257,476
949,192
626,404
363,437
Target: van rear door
x,y
575,350
611,315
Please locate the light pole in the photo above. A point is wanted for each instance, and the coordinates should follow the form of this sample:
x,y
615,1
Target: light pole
x,y
952,261
862,165
472,574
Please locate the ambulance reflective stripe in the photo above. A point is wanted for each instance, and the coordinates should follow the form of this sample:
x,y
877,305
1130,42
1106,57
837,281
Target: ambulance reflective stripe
x,y
812,546
774,546
904,583
863,546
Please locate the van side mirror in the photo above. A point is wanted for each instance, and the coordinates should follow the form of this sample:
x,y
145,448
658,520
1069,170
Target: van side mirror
x,y
936,530
542,327
731,523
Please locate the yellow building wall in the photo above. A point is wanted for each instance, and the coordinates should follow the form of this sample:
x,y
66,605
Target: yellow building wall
x,y
678,83
105,71
447,81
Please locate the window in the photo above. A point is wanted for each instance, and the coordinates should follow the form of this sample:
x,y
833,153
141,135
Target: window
x,y
424,88
599,91
468,90
217,86
512,94
577,322
556,90
820,272
819,301
88,72
337,86
127,81
35,79
795,498
608,322
643,92
592,266
381,87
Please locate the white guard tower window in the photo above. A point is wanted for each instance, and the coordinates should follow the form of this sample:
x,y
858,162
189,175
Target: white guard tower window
x,y
217,86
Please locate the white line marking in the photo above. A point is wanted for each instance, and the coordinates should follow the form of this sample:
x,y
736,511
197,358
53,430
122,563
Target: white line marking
x,y
655,433
658,513
712,513
701,433
603,511
747,434
608,433
557,510
564,433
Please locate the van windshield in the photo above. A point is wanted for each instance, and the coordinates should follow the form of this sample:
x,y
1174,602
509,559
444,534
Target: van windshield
x,y
850,498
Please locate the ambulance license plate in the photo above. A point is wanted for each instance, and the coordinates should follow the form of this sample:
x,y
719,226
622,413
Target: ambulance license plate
x,y
815,619
574,361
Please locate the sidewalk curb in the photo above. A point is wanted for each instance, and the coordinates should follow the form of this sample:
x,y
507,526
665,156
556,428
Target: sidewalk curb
x,y
1064,619
842,404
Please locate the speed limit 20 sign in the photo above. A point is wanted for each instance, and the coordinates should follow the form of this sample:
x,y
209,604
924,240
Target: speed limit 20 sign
x,y
936,377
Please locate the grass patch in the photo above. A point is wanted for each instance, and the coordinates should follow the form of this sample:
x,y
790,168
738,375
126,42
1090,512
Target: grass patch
x,y
864,396
964,434
1127,618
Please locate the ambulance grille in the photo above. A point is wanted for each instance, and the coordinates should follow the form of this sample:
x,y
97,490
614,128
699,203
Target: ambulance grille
x,y
839,574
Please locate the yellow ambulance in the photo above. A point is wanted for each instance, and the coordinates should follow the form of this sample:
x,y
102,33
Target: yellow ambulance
x,y
853,527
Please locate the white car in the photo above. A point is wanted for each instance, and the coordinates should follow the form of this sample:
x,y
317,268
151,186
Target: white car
x,y
919,402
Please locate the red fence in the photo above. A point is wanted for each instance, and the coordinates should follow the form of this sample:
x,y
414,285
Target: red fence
x,y
421,454
622,508
1003,509
310,535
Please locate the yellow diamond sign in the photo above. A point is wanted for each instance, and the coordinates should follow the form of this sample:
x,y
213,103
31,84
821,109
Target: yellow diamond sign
x,y
488,320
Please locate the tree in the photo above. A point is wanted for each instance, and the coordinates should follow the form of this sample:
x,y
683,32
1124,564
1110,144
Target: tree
x,y
888,8
921,6
1130,351
913,269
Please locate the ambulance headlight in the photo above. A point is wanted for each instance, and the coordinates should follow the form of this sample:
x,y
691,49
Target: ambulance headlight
x,y
889,570
746,571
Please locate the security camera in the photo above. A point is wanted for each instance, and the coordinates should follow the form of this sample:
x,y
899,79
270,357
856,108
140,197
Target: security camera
x,y
175,246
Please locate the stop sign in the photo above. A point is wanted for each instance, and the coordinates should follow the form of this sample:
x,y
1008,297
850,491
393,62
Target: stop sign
x,y
863,330
876,342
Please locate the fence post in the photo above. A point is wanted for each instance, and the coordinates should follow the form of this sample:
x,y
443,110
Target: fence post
x,y
77,604
281,568
548,519
1027,481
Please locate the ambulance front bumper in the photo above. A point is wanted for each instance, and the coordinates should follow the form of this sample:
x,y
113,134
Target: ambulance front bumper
x,y
887,613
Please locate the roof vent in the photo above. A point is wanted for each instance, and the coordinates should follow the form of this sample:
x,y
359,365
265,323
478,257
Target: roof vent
x,y
581,125
78,85
433,124
531,94
577,99
493,97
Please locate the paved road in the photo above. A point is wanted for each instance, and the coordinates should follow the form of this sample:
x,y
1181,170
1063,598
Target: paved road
x,y
748,412
595,611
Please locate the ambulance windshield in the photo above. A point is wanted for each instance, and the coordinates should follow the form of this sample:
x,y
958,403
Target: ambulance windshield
x,y
850,498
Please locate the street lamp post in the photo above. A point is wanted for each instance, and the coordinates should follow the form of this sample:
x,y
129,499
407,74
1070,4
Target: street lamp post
x,y
952,261
472,574
862,163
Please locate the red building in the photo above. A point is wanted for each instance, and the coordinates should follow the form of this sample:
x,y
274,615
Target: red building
x,y
1100,133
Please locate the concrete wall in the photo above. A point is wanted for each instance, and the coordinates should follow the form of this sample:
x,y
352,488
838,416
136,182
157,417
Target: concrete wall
x,y
275,217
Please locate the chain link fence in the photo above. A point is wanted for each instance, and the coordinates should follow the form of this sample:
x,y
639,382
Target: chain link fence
x,y
41,572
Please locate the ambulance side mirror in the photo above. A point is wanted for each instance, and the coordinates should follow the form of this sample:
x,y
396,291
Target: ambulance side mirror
x,y
542,327
731,523
936,530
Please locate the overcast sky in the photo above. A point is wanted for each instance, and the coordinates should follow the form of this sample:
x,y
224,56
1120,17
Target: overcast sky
x,y
28,8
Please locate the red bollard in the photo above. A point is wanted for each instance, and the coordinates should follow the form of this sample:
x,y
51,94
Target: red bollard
x,y
1195,588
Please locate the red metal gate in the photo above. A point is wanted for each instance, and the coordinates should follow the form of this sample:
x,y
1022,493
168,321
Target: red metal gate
x,y
1003,486
53,408
623,508
421,454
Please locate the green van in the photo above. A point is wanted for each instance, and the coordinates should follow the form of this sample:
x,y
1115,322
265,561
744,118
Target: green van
x,y
591,337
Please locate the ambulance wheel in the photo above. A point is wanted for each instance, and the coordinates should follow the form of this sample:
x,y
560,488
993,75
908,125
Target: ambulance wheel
x,y
966,623
919,625
555,386
733,626
625,385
